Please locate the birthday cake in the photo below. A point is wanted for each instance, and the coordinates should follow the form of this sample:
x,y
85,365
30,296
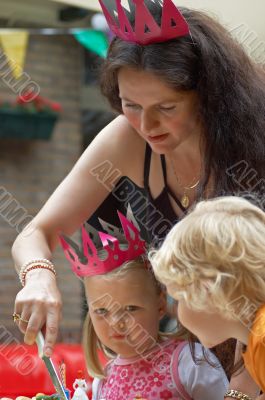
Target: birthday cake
x,y
40,396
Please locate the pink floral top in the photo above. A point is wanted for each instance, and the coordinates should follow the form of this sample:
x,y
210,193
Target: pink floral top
x,y
155,376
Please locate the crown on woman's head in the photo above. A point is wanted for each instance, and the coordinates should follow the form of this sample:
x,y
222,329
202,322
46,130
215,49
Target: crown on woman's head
x,y
146,30
88,263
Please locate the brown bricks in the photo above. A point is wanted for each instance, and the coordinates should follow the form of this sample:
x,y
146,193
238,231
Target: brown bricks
x,y
31,170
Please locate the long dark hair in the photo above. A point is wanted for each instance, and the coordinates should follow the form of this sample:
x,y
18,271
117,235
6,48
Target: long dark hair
x,y
231,90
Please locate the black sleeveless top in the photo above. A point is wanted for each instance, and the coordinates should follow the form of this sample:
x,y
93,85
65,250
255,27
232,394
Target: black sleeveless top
x,y
154,216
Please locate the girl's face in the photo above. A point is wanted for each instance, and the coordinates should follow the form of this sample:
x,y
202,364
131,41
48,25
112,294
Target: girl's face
x,y
163,117
125,311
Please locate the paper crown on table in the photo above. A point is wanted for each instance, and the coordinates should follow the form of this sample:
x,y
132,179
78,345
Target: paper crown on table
x,y
118,249
146,30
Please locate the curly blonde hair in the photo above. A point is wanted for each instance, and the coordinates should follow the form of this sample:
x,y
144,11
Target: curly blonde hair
x,y
215,255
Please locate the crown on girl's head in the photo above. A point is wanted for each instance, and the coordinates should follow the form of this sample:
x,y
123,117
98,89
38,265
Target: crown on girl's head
x,y
91,263
146,30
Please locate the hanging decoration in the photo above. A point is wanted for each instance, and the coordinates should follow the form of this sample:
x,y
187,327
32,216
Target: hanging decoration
x,y
14,45
14,41
94,40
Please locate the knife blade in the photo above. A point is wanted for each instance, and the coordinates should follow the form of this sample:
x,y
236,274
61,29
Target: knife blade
x,y
50,367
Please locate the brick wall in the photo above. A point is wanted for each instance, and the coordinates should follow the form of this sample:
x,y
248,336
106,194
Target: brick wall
x,y
31,170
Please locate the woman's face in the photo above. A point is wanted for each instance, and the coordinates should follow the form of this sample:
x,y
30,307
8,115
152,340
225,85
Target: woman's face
x,y
163,117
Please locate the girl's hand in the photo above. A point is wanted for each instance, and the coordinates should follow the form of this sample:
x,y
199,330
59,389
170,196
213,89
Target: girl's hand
x,y
39,303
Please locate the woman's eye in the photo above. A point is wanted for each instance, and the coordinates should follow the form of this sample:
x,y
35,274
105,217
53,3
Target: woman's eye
x,y
167,108
100,311
134,106
131,308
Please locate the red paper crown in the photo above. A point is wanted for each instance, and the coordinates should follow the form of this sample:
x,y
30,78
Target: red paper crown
x,y
116,256
146,30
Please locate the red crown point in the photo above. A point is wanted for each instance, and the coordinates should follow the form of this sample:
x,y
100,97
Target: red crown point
x,y
88,262
146,30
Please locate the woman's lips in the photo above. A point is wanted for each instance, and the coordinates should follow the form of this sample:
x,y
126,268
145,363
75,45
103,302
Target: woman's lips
x,y
156,139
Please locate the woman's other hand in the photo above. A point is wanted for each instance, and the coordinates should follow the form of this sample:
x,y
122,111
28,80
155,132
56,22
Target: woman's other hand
x,y
39,303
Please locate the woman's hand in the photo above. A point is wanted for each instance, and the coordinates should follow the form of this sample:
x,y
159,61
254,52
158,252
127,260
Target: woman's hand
x,y
39,303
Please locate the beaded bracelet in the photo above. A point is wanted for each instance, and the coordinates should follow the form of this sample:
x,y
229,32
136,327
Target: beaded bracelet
x,y
38,260
35,264
235,394
31,268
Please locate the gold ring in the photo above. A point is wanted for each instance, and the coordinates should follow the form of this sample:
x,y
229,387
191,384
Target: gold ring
x,y
17,317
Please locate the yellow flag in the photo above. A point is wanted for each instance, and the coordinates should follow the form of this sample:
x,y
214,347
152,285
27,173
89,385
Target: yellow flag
x,y
14,45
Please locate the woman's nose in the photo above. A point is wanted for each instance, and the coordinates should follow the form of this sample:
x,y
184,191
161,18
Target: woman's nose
x,y
149,122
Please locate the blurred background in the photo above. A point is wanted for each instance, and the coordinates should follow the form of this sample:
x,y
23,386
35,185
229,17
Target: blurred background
x,y
50,110
40,140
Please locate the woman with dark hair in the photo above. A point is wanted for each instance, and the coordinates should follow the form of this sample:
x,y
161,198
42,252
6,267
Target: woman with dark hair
x,y
191,126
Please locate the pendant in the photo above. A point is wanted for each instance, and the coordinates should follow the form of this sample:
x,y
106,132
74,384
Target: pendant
x,y
185,201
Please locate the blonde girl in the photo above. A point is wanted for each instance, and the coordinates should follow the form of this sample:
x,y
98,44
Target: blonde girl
x,y
125,307
213,263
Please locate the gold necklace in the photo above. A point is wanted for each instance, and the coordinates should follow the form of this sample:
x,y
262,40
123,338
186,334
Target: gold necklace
x,y
185,200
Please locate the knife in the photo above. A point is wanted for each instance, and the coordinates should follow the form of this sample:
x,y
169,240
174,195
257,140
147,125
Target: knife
x,y
50,367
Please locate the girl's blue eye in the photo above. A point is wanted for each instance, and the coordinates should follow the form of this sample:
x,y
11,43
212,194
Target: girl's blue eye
x,y
131,308
100,311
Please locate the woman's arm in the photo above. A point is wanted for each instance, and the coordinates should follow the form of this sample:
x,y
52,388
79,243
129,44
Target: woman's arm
x,y
243,381
72,203
245,384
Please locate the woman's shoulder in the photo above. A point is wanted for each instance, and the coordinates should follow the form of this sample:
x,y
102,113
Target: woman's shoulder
x,y
120,132
119,143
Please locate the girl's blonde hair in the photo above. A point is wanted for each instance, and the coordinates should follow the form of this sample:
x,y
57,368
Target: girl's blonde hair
x,y
92,344
215,255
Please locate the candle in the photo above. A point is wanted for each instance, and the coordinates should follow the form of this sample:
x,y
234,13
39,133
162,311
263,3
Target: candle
x,y
63,373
